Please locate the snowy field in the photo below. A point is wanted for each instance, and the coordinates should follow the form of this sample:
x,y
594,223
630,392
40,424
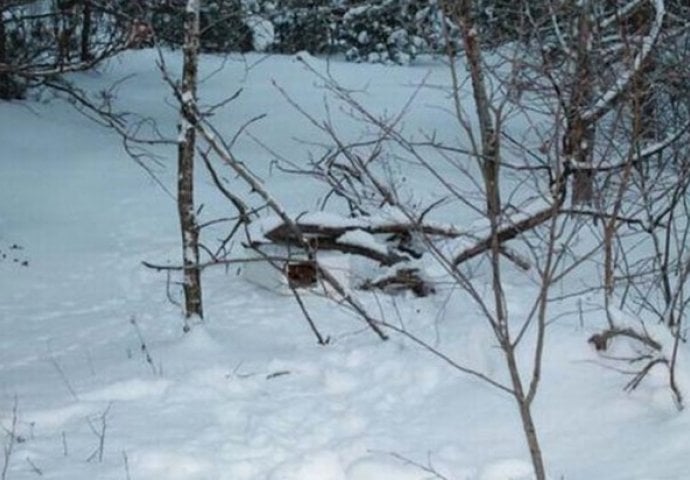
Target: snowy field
x,y
250,395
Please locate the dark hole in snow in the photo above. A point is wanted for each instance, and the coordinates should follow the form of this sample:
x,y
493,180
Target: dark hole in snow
x,y
301,274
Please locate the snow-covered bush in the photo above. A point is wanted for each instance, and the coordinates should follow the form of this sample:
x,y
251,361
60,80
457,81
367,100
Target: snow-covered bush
x,y
502,21
223,25
13,44
390,30
39,40
302,24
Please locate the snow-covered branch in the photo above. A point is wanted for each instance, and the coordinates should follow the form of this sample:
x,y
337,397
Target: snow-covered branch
x,y
642,155
601,106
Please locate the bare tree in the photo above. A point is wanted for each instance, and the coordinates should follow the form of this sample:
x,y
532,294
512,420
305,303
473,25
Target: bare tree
x,y
141,137
489,157
599,38
185,164
593,133
566,160
640,167
357,174
615,69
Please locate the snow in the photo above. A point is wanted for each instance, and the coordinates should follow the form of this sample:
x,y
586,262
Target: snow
x,y
249,394
184,128
355,11
328,219
374,469
507,470
263,33
360,238
192,6
187,97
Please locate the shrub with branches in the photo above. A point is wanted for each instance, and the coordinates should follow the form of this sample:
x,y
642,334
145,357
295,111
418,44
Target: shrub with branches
x,y
42,40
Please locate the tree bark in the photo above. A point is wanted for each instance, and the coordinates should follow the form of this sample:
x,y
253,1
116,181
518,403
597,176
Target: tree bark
x,y
525,407
10,88
508,233
185,155
5,80
85,46
490,161
578,141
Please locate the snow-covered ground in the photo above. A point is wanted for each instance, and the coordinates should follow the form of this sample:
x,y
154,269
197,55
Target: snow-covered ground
x,y
250,395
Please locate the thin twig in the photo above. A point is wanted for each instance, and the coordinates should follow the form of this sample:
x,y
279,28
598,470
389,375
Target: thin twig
x,y
8,448
100,433
63,377
34,467
143,347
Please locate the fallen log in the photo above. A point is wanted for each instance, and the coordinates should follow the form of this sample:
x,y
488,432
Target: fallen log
x,y
507,233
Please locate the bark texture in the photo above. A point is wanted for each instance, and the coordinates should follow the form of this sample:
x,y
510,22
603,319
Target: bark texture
x,y
185,156
579,136
85,43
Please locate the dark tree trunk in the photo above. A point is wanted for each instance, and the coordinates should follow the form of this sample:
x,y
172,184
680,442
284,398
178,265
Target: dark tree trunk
x,y
65,31
85,46
5,80
185,185
10,87
578,142
578,145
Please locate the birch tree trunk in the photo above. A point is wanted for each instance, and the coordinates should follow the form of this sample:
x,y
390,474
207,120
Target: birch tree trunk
x,y
185,165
